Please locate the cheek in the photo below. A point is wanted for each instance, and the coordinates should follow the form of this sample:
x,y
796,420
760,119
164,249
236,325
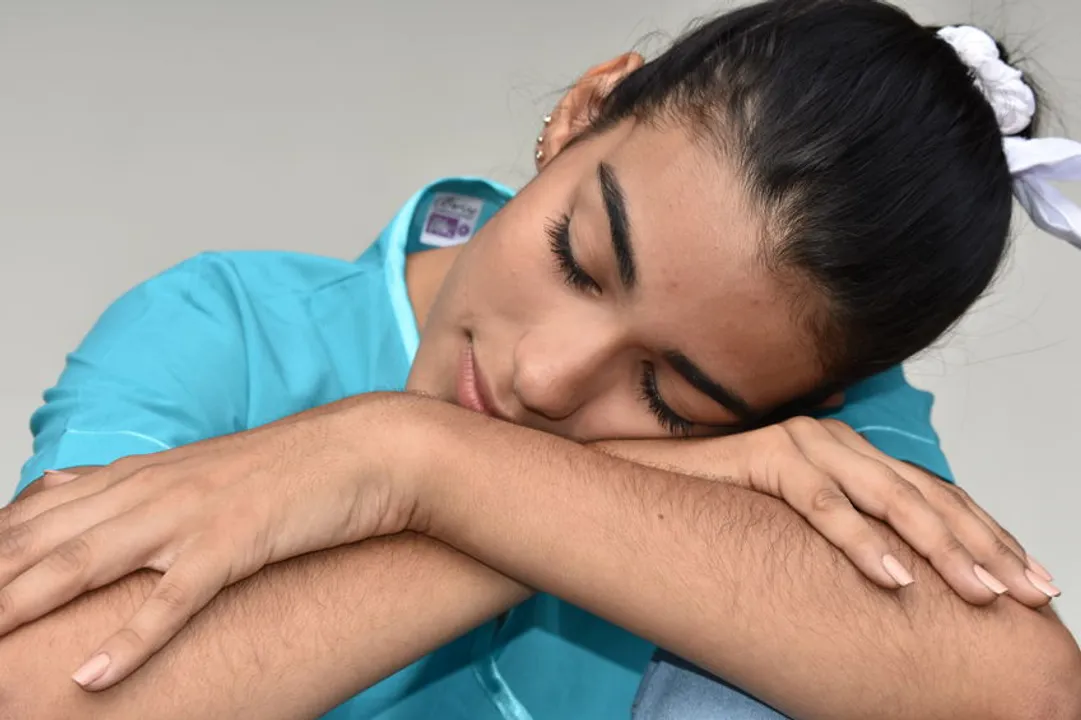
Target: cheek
x,y
617,415
510,272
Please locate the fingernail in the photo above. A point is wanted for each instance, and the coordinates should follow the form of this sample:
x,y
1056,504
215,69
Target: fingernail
x,y
94,668
1038,568
993,583
58,476
897,571
1042,585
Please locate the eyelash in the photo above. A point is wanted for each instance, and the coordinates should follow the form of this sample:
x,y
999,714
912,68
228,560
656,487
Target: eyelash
x,y
667,417
577,278
559,240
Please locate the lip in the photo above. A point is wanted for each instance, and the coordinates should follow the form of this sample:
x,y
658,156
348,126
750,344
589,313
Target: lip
x,y
472,391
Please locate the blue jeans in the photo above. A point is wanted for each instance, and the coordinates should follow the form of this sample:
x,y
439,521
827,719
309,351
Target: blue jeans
x,y
674,689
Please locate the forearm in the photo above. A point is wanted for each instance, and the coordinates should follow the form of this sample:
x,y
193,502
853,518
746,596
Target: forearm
x,y
290,642
738,583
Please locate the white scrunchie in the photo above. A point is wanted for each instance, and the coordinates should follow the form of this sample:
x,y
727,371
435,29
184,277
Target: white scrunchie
x,y
1003,86
1033,163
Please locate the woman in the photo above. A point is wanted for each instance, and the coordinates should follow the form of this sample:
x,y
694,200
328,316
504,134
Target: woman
x,y
793,199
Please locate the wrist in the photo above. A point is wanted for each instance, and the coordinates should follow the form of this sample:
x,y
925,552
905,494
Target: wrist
x,y
411,435
438,465
382,441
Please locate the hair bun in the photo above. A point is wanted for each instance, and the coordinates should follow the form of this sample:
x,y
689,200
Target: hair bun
x,y
1003,85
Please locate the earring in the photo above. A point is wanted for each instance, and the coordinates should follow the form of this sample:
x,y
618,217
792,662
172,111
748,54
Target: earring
x,y
539,156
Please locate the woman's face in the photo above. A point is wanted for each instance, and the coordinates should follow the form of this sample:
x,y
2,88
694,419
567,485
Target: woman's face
x,y
621,294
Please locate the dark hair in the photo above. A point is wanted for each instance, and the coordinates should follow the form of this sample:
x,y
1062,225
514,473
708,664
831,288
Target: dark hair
x,y
875,159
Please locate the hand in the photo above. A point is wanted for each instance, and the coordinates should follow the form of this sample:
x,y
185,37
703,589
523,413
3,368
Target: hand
x,y
828,473
206,515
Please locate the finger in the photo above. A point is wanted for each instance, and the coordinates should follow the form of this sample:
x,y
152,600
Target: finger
x,y
814,495
920,478
1026,580
49,478
53,478
27,507
88,561
183,591
1007,567
1006,537
1003,535
1002,562
27,543
51,497
884,494
1037,567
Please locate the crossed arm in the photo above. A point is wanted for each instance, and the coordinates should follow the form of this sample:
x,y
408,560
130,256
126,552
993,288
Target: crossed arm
x,y
304,635
291,642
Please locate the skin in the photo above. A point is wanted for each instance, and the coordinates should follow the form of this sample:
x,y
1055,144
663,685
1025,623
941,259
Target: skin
x,y
569,362
924,653
565,362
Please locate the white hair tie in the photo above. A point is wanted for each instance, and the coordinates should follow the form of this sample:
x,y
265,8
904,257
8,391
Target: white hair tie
x,y
1033,163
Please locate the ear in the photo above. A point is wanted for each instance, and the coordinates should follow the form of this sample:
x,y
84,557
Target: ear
x,y
576,110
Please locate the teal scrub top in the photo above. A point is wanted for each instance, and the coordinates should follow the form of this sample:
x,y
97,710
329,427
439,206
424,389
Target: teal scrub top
x,y
230,341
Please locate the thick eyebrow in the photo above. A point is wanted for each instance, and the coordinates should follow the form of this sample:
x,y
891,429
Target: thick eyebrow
x,y
710,388
616,207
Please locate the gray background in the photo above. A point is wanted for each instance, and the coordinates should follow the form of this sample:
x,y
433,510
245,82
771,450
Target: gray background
x,y
135,134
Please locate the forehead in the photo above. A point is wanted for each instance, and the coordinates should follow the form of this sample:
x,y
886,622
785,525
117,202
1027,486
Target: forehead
x,y
703,286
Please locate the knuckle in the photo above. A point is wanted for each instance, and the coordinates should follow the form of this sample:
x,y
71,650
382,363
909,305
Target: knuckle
x,y
780,438
7,605
865,537
801,424
959,500
960,493
128,465
9,517
899,490
172,596
903,503
130,637
14,543
826,500
1001,550
773,441
1011,539
902,492
144,474
72,557
834,424
951,545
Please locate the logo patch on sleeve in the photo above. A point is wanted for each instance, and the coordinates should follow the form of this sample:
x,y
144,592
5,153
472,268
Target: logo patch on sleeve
x,y
451,220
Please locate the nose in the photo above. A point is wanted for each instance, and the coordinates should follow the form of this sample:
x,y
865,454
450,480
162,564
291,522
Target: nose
x,y
557,370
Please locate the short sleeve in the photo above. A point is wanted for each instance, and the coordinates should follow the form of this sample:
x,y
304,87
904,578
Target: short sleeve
x,y
896,418
164,366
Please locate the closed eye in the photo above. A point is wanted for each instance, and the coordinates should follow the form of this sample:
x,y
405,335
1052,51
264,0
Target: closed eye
x,y
559,240
666,416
